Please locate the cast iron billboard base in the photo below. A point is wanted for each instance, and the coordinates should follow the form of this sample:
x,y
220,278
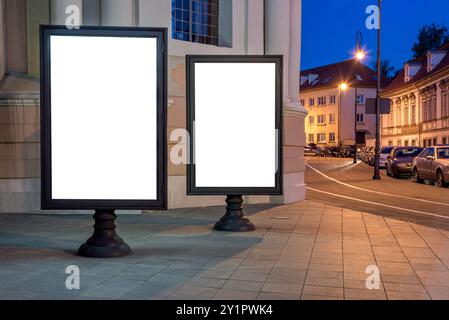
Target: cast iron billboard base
x,y
104,243
233,220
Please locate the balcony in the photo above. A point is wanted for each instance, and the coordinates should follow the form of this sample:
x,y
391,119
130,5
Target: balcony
x,y
402,130
436,124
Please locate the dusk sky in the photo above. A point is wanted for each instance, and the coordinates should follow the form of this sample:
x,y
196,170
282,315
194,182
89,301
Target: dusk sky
x,y
329,28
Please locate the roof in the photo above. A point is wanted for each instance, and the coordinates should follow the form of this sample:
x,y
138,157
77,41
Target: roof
x,y
334,74
399,83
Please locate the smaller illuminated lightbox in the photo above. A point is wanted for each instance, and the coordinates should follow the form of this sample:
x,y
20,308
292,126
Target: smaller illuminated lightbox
x,y
235,123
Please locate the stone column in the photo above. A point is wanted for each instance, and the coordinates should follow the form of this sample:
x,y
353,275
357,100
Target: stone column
x,y
38,12
2,40
283,36
120,12
58,10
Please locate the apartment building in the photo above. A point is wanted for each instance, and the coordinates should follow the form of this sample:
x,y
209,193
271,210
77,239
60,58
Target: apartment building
x,y
419,113
329,95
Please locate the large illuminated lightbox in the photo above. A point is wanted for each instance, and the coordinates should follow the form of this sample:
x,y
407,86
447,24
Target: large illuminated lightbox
x,y
103,118
235,125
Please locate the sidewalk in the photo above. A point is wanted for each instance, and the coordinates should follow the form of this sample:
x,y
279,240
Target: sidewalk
x,y
302,251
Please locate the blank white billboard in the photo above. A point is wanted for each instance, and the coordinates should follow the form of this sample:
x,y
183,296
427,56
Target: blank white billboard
x,y
235,136
103,117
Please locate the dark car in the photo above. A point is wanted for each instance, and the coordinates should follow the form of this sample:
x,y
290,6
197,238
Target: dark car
x,y
312,150
347,152
330,152
400,160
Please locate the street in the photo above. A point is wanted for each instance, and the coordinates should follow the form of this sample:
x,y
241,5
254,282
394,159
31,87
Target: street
x,y
339,182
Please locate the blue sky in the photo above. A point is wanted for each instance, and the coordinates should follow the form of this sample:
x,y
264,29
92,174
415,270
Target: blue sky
x,y
329,28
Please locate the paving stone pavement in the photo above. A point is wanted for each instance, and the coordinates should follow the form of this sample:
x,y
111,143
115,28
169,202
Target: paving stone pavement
x,y
305,251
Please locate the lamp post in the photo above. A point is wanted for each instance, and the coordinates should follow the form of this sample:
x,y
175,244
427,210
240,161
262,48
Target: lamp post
x,y
359,56
342,87
377,151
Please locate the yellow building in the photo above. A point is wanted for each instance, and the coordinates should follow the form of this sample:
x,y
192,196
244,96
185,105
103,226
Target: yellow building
x,y
329,95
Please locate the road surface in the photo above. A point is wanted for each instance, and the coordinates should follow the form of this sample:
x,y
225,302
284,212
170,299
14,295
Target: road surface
x,y
341,183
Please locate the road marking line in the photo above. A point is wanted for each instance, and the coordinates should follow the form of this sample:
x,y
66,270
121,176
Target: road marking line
x,y
372,191
378,204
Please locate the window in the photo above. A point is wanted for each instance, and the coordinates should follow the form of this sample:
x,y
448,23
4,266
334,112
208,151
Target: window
x,y
332,137
311,138
414,143
311,120
413,113
429,142
322,101
424,109
390,143
399,143
406,143
195,21
322,119
406,123
444,105
332,118
311,102
360,99
435,141
321,138
360,118
444,140
332,99
303,103
399,117
443,153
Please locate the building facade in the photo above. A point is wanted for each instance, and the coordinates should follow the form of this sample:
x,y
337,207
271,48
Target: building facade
x,y
329,96
243,27
419,114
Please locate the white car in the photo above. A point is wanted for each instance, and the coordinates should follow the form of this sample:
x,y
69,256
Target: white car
x,y
384,152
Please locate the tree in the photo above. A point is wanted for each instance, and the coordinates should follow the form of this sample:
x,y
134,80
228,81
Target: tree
x,y
386,70
430,37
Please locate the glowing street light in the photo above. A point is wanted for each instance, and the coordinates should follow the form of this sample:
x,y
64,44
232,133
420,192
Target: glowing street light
x,y
343,86
360,55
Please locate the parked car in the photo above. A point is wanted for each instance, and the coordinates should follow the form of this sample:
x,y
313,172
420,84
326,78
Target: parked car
x,y
432,164
400,160
347,152
312,150
330,152
384,152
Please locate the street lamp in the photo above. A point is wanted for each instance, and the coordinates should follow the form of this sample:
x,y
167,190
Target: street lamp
x,y
359,56
377,149
342,87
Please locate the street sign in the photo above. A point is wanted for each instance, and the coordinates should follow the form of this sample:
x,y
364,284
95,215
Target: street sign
x,y
371,106
235,121
103,118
